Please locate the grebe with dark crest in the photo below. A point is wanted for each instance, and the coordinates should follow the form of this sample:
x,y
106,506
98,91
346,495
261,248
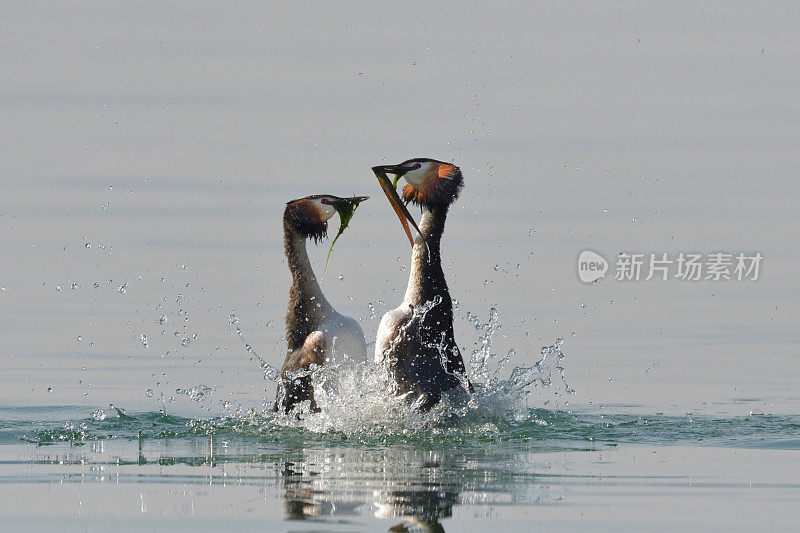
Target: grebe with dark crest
x,y
415,342
316,333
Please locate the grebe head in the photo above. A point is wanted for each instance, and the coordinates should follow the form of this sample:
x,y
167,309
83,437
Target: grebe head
x,y
430,184
309,216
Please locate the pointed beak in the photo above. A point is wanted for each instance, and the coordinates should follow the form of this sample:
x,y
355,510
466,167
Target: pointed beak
x,y
353,200
390,189
347,206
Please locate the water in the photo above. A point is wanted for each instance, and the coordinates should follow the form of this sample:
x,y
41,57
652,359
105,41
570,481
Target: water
x,y
536,430
548,468
148,153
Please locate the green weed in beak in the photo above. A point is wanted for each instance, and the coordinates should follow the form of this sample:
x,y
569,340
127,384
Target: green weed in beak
x,y
346,209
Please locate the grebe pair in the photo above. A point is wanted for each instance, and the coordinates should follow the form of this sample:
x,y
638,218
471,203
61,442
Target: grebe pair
x,y
415,342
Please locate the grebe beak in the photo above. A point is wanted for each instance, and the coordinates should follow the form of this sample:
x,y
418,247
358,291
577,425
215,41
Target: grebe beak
x,y
353,200
390,189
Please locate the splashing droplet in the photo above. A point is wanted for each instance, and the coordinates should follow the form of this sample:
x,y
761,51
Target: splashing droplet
x,y
198,393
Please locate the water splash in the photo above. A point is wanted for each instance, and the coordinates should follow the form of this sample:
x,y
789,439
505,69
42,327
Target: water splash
x,y
480,358
198,393
354,398
270,372
119,412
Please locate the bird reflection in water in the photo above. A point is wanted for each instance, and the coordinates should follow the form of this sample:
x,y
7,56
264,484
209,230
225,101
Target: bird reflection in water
x,y
420,509
321,487
302,501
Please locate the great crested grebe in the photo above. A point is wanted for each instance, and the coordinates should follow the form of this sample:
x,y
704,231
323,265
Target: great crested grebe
x,y
315,332
415,342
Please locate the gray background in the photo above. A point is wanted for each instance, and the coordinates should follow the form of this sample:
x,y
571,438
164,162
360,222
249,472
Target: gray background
x,y
152,147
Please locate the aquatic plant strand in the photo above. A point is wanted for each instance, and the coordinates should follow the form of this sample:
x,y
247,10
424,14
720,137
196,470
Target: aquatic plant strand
x,y
346,212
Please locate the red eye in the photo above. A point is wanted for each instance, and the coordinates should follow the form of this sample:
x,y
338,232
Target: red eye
x,y
324,201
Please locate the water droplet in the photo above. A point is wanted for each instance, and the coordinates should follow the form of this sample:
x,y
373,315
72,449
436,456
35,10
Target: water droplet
x,y
149,393
162,320
403,268
233,319
49,389
143,340
185,342
58,288
80,338
198,393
